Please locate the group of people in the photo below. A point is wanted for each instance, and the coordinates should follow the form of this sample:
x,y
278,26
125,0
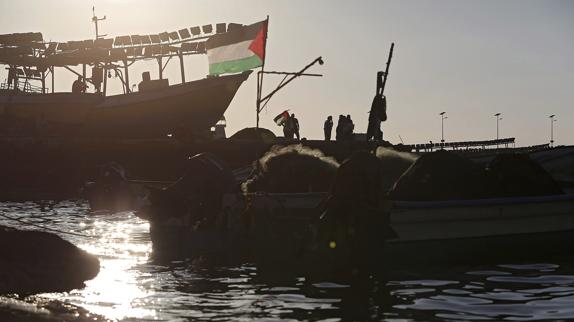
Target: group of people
x,y
291,127
344,130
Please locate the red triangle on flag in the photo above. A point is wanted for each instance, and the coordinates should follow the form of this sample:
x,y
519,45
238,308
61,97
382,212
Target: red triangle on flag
x,y
258,44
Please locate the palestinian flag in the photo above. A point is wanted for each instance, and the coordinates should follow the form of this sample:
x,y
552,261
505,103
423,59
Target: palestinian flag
x,y
281,118
238,50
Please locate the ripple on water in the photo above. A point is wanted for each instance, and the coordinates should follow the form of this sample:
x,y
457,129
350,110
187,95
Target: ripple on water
x,y
132,286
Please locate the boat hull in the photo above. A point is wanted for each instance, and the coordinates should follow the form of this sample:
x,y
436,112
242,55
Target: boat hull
x,y
185,110
470,231
282,231
480,230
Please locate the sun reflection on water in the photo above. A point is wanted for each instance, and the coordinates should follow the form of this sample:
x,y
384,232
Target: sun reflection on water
x,y
121,245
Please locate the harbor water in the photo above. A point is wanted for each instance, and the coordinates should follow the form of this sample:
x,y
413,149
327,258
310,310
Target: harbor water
x,y
132,286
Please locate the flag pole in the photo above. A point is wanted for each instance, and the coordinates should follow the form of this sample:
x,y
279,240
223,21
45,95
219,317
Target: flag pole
x,y
260,75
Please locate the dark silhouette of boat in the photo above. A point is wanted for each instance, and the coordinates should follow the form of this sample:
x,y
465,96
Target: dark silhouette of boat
x,y
182,109
30,107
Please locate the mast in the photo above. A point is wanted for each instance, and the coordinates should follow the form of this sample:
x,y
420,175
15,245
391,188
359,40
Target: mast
x,y
387,68
95,20
260,77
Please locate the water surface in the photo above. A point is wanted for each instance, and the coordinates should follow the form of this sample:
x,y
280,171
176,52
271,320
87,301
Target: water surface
x,y
131,286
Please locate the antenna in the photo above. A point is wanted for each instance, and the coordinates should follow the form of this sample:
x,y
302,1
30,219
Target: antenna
x,y
95,20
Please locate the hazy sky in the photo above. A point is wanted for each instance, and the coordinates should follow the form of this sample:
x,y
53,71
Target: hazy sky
x,y
470,59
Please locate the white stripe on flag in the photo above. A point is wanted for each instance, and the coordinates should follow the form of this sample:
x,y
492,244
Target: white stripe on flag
x,y
235,51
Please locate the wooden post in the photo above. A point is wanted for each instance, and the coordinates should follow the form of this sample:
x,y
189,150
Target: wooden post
x,y
105,78
159,62
84,74
127,77
44,82
182,68
52,72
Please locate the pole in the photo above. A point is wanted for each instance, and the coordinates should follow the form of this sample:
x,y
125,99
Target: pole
x,y
52,72
295,75
552,129
442,117
498,118
84,74
551,132
260,76
159,62
127,77
387,68
181,66
95,20
258,99
44,82
105,78
442,129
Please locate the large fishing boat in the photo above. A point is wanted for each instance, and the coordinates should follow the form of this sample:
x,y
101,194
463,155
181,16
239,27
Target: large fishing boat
x,y
29,105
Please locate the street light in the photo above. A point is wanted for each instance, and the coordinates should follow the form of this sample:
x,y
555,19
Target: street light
x,y
498,118
442,118
552,120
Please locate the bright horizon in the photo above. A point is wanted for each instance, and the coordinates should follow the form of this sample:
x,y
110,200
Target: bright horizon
x,y
468,59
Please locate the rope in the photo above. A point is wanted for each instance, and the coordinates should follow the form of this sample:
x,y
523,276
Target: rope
x,y
44,227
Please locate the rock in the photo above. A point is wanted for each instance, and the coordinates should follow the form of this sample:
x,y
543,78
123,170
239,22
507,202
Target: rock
x,y
38,262
38,309
254,134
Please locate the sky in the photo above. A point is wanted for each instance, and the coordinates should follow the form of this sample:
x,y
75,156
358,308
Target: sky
x,y
470,59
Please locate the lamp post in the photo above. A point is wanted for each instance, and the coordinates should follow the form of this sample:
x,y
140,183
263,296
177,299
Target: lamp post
x,y
498,118
552,120
442,118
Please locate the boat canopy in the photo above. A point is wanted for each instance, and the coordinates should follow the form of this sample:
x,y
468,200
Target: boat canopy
x,y
30,49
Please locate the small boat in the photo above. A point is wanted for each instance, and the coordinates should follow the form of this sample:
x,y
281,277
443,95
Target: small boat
x,y
501,228
431,232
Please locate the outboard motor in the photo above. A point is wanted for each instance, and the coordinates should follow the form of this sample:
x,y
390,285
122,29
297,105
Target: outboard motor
x,y
353,228
196,195
186,217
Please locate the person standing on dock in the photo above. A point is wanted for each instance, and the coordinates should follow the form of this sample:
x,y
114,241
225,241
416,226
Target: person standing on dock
x,y
349,128
327,127
339,131
295,126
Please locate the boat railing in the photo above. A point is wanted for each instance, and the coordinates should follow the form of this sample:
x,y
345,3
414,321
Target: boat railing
x,y
22,87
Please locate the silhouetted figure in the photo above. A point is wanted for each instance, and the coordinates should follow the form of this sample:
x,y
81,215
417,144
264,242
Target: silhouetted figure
x,y
327,127
378,112
339,131
349,128
288,127
97,78
78,86
295,126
